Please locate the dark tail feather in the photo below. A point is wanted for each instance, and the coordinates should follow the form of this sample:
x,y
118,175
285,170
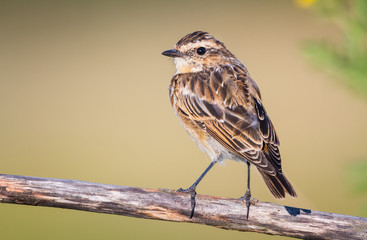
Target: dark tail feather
x,y
278,185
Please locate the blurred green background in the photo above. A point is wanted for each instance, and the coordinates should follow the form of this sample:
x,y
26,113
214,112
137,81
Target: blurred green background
x,y
83,95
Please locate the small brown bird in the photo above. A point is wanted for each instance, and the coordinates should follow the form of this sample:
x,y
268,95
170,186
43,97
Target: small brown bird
x,y
220,107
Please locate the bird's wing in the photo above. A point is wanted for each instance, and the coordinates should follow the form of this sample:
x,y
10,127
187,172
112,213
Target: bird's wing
x,y
228,105
269,136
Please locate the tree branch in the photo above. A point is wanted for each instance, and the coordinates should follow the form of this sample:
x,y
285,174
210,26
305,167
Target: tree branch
x,y
170,205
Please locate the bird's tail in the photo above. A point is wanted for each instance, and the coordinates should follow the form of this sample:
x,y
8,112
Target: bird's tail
x,y
278,185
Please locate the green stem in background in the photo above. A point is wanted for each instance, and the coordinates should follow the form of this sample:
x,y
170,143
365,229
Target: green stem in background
x,y
348,60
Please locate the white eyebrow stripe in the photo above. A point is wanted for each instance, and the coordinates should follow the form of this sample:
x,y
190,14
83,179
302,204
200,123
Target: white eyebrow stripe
x,y
203,43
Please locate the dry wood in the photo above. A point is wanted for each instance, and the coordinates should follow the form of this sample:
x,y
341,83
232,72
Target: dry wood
x,y
170,205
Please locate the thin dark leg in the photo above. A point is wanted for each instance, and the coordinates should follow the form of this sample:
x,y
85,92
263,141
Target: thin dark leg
x,y
248,192
191,189
247,195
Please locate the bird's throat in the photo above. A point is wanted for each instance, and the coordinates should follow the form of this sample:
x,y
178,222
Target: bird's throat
x,y
183,66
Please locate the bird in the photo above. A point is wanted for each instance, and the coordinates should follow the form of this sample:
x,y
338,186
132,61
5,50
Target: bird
x,y
220,107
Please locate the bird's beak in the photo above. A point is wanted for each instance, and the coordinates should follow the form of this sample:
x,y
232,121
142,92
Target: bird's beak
x,y
172,53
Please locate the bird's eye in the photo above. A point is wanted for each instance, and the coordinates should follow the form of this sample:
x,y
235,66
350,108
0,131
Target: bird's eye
x,y
201,50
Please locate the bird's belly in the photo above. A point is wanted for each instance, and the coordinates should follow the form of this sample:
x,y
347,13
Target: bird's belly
x,y
215,150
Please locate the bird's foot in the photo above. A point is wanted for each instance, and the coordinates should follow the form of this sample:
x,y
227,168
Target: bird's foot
x,y
249,201
192,193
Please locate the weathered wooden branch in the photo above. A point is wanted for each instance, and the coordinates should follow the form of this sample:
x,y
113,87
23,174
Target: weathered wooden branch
x,y
170,205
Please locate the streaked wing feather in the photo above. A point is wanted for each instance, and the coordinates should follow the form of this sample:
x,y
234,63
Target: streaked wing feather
x,y
266,127
269,135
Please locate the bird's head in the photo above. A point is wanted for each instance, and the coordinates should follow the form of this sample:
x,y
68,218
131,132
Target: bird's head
x,y
197,51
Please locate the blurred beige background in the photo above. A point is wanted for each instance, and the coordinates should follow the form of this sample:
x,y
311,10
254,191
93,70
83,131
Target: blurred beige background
x,y
83,95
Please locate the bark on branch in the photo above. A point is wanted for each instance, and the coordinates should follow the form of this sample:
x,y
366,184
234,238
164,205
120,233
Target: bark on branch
x,y
170,205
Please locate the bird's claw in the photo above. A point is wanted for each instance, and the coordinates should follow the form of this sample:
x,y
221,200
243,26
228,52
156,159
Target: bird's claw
x,y
192,193
248,200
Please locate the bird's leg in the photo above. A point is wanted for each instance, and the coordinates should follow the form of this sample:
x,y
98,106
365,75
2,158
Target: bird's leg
x,y
248,192
191,189
247,195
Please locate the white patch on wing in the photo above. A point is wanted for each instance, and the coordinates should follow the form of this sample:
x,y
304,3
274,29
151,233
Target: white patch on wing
x,y
186,91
